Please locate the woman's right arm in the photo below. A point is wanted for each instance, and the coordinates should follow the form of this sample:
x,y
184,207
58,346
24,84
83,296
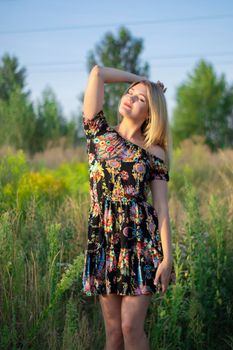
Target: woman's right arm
x,y
94,94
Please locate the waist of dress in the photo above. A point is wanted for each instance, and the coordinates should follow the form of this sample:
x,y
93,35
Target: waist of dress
x,y
124,199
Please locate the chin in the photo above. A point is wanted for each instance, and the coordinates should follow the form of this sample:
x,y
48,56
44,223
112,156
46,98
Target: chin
x,y
124,111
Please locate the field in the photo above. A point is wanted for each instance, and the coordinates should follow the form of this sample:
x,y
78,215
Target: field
x,y
44,205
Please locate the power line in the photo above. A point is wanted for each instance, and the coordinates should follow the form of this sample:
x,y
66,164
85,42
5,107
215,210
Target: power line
x,y
134,23
190,55
55,63
179,65
184,64
166,57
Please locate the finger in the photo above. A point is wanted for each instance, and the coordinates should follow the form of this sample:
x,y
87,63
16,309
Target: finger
x,y
164,287
164,281
157,276
157,279
163,290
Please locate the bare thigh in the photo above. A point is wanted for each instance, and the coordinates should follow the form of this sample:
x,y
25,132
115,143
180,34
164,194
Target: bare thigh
x,y
111,309
133,313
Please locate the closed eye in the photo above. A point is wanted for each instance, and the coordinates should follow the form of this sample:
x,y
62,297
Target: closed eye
x,y
130,93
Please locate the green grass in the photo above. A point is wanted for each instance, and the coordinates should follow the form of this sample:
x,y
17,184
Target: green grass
x,y
43,232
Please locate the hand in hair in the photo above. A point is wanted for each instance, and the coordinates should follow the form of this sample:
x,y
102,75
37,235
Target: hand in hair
x,y
161,85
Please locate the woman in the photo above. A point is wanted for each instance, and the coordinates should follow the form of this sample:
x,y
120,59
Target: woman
x,y
129,251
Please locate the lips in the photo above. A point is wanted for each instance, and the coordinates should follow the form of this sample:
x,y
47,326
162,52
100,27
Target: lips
x,y
127,104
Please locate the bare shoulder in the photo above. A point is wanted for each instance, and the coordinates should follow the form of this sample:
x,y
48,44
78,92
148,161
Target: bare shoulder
x,y
157,151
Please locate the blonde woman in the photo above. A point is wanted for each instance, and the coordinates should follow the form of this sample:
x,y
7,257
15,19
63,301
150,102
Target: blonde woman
x,y
129,251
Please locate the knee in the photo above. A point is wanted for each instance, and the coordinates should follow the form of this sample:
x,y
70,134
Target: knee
x,y
114,332
132,330
114,335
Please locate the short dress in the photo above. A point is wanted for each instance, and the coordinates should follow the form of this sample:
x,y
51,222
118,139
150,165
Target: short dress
x,y
124,245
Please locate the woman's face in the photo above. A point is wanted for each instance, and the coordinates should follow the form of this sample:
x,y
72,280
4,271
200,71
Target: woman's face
x,y
134,104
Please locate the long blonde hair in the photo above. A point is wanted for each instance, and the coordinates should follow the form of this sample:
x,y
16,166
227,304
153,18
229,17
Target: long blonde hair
x,y
156,130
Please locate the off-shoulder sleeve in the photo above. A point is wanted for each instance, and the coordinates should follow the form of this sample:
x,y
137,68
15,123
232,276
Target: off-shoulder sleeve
x,y
95,126
158,169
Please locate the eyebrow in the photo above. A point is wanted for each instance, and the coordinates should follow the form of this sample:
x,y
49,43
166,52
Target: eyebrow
x,y
139,92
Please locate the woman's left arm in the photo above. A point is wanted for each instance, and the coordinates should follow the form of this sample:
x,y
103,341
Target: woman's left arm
x,y
159,190
160,203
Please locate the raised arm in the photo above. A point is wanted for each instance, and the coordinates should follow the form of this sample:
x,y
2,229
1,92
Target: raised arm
x,y
94,94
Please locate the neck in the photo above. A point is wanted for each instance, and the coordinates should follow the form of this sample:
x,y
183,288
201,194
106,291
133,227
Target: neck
x,y
129,130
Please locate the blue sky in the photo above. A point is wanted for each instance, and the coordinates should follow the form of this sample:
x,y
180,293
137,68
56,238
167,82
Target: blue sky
x,y
52,38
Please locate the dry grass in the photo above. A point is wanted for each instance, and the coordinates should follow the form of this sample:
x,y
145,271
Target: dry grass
x,y
52,157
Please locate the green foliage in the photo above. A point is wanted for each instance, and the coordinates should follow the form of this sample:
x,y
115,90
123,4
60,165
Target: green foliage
x,y
17,116
11,77
43,231
23,126
54,251
166,324
50,123
71,325
12,168
11,288
196,312
19,186
41,187
32,254
75,176
204,106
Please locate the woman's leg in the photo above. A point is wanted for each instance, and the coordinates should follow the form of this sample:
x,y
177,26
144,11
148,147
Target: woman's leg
x,y
133,313
111,309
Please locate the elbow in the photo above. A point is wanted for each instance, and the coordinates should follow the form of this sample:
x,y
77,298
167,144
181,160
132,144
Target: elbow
x,y
96,70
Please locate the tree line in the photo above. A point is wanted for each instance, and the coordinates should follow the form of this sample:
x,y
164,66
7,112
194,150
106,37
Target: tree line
x,y
204,101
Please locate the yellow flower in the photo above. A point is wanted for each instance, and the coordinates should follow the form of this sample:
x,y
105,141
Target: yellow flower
x,y
96,171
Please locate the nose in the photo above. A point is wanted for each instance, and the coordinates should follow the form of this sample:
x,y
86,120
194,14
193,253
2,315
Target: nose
x,y
130,98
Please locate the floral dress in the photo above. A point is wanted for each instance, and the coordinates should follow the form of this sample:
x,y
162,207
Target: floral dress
x,y
124,244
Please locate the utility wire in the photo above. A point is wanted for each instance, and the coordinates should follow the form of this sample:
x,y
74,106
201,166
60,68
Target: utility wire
x,y
165,57
55,63
104,25
179,65
186,55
